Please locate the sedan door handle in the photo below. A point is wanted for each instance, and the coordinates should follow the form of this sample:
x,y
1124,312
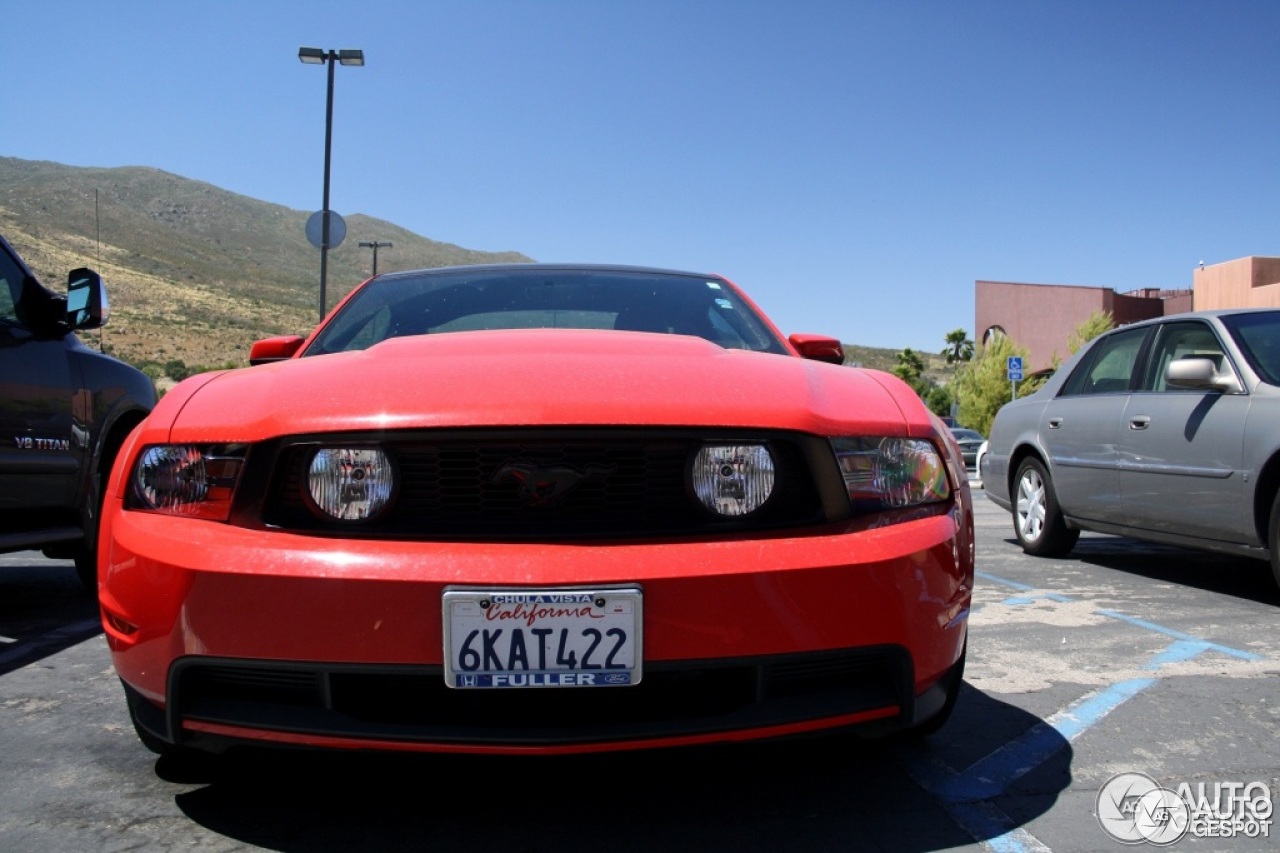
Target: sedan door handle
x,y
1139,422
1055,423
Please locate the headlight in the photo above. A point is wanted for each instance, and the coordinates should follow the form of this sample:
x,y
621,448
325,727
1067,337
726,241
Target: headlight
x,y
350,483
196,480
889,473
733,479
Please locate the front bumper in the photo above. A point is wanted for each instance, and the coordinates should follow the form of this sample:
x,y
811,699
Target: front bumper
x,y
223,634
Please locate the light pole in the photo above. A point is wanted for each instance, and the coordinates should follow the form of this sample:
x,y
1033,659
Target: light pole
x,y
375,245
316,56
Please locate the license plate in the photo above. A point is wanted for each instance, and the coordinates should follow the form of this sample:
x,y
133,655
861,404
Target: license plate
x,y
514,638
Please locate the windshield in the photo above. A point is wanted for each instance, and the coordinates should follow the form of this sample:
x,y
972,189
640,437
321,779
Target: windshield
x,y
461,300
1258,335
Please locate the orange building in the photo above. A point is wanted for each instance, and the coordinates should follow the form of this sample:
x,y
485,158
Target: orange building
x,y
1041,317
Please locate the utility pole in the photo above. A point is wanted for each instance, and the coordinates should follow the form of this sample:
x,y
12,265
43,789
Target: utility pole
x,y
375,245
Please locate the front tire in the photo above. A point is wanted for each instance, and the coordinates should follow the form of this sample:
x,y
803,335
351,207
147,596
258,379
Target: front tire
x,y
1037,520
86,555
87,568
1273,538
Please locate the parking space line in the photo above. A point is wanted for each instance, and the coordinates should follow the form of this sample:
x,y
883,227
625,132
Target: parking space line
x,y
984,820
966,795
1187,645
1015,600
1180,636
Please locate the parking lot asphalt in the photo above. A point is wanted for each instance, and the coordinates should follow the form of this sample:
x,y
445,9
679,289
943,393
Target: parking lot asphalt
x,y
1142,658
1121,658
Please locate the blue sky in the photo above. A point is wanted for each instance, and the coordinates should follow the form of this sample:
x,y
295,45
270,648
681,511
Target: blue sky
x,y
854,165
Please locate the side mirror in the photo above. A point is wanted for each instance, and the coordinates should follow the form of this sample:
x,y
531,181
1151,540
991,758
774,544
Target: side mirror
x,y
818,348
86,299
1199,372
268,350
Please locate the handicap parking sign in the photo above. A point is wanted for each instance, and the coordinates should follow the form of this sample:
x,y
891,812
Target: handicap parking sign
x,y
1015,368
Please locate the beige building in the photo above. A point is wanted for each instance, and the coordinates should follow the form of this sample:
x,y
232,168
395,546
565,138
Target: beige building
x,y
1246,283
1041,317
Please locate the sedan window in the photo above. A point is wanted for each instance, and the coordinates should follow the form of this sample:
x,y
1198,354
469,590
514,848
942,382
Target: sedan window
x,y
1181,340
1258,335
1108,367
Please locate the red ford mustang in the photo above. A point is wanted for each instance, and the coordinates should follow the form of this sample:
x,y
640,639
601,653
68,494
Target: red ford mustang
x,y
537,509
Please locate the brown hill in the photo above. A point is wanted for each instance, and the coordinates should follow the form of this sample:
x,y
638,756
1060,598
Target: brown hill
x,y
195,273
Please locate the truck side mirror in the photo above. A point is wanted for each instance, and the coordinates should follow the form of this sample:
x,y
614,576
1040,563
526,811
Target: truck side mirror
x,y
86,299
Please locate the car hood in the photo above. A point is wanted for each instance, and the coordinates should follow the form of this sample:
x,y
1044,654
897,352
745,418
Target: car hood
x,y
539,377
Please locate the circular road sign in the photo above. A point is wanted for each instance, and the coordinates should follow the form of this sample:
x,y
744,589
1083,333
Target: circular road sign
x,y
337,229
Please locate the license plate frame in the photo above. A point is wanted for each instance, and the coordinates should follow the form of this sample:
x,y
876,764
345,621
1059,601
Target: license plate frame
x,y
567,637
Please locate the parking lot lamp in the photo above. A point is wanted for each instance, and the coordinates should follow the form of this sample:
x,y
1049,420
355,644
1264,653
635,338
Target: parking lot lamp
x,y
316,56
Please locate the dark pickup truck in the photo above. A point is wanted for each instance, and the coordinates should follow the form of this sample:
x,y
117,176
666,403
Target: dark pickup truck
x,y
64,411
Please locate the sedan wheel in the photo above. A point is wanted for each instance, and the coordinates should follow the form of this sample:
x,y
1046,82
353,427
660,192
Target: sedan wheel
x,y
1037,521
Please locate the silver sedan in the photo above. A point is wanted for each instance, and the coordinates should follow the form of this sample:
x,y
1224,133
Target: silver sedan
x,y
969,440
1166,430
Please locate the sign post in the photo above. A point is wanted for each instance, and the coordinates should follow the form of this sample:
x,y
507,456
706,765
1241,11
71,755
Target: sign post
x,y
1015,375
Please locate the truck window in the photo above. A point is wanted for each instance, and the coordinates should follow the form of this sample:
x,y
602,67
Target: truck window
x,y
10,288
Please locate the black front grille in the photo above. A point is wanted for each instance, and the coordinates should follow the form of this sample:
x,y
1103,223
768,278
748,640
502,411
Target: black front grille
x,y
474,485
414,704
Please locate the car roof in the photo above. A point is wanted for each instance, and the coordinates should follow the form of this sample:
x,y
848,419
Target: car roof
x,y
1207,314
542,266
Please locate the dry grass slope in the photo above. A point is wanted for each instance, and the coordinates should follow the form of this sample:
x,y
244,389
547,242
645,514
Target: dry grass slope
x,y
196,274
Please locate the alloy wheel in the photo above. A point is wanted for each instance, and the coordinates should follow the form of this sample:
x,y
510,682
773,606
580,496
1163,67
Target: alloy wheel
x,y
1031,505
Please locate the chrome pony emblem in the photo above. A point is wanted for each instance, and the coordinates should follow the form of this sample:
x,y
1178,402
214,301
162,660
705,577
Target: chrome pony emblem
x,y
545,485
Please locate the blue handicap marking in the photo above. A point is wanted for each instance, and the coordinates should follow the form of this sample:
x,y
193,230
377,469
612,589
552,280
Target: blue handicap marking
x,y
967,794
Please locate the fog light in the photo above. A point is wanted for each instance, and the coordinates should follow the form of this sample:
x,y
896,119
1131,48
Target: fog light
x,y
350,483
733,479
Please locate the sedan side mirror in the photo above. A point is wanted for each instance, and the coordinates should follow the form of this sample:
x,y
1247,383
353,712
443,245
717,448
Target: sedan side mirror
x,y
86,299
1199,372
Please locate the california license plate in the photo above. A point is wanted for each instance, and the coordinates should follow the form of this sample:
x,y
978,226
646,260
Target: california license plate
x,y
513,638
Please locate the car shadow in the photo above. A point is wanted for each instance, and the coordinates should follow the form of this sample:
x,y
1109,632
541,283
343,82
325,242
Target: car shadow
x,y
1239,577
833,792
43,609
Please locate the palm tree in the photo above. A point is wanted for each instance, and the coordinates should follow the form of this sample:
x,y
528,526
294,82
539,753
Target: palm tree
x,y
910,366
959,348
